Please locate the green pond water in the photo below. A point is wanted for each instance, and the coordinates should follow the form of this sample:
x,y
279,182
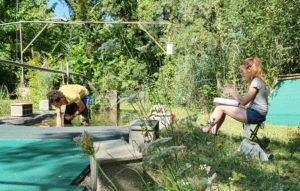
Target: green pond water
x,y
104,118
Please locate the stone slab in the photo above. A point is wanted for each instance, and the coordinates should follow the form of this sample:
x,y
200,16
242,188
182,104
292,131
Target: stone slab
x,y
35,117
115,151
29,132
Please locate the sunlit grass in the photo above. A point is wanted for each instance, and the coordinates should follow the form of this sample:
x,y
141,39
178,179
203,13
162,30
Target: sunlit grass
x,y
5,107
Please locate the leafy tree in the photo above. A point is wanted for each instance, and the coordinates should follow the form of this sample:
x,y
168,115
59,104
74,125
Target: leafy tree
x,y
9,34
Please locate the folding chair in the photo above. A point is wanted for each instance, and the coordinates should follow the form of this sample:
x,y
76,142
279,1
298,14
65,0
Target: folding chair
x,y
253,135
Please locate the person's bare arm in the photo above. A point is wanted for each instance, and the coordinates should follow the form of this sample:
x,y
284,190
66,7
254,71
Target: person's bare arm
x,y
58,117
81,107
242,100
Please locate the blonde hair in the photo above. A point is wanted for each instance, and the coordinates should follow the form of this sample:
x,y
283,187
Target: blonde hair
x,y
255,67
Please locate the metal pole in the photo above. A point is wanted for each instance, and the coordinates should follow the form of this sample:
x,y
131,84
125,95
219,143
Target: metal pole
x,y
157,43
13,63
91,22
39,68
21,49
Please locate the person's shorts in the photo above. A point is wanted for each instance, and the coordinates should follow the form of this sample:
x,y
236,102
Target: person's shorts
x,y
86,100
253,116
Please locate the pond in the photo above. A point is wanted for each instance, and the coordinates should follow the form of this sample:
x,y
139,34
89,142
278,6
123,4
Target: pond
x,y
102,118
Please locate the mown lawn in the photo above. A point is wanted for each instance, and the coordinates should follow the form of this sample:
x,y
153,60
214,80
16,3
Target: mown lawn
x,y
205,154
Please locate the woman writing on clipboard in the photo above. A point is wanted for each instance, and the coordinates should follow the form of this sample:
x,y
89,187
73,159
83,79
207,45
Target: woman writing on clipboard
x,y
256,98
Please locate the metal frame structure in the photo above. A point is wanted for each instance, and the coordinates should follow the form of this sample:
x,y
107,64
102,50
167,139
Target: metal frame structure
x,y
69,22
66,73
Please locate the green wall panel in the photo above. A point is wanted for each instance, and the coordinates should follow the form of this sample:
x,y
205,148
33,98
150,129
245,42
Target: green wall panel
x,y
284,103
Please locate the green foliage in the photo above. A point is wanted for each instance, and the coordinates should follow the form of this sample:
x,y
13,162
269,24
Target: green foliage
x,y
10,36
38,83
4,100
211,39
85,142
4,92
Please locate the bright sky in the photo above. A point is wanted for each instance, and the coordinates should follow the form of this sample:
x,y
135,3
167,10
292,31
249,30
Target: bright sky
x,y
61,9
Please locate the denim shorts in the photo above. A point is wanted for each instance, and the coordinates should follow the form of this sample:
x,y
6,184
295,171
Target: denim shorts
x,y
253,116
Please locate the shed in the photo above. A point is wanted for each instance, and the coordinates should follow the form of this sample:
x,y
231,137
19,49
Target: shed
x,y
284,102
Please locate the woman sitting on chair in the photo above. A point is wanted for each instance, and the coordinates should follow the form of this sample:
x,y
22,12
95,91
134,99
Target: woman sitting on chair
x,y
256,98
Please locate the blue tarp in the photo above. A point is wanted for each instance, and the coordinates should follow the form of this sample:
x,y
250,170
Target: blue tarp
x,y
40,164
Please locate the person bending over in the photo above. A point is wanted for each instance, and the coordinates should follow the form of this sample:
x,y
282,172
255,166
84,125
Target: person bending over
x,y
253,107
76,98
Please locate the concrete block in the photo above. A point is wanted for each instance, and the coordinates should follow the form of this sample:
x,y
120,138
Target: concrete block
x,y
142,132
110,154
20,109
163,118
94,174
138,139
158,109
117,150
112,97
44,105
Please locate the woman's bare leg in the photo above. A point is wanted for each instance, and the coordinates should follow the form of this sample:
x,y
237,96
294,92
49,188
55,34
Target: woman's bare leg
x,y
217,126
218,116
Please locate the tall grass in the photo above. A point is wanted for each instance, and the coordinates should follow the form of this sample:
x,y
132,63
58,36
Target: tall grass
x,y
191,160
234,171
4,100
183,158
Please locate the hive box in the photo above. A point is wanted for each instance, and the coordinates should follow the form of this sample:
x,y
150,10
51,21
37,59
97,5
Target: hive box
x,y
20,109
44,105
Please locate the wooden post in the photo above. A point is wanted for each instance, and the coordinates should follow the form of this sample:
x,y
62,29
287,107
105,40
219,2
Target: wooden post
x,y
35,37
67,73
63,75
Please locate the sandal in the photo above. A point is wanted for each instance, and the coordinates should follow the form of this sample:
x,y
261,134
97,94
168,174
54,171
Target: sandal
x,y
208,125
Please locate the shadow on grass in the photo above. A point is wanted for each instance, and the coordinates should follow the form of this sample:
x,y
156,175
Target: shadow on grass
x,y
219,153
